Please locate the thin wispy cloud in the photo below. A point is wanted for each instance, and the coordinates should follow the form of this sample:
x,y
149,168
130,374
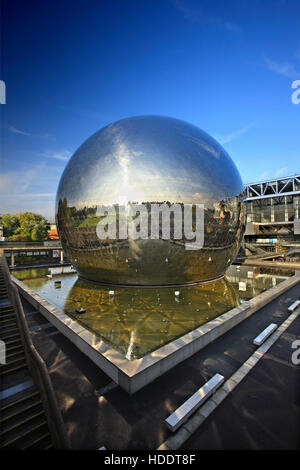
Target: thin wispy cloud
x,y
87,113
263,176
14,130
63,155
280,173
235,134
30,188
286,69
197,15
37,195
18,182
44,135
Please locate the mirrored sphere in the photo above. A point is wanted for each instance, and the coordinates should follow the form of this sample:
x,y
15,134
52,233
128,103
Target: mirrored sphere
x,y
149,160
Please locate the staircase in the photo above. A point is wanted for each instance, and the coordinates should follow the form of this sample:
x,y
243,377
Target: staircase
x,y
23,423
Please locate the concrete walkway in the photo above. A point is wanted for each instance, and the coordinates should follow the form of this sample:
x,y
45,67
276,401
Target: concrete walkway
x,y
272,264
45,265
262,412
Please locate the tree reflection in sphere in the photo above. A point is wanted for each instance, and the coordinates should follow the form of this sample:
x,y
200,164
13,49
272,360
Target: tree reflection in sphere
x,y
150,160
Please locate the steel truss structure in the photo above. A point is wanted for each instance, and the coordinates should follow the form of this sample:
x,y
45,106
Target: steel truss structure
x,y
288,186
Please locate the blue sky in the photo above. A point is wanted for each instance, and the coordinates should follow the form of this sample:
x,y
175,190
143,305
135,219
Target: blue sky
x,y
71,68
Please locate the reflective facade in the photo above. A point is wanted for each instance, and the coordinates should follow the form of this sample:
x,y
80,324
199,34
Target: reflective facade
x,y
150,159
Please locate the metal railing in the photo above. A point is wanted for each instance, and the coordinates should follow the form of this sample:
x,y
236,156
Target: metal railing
x,y
37,366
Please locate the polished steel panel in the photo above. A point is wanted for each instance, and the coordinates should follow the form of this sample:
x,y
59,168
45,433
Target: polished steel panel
x,y
150,159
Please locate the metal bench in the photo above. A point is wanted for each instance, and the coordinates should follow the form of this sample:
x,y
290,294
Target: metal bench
x,y
294,306
265,334
176,419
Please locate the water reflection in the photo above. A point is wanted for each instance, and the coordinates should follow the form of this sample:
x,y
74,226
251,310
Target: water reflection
x,y
249,281
136,321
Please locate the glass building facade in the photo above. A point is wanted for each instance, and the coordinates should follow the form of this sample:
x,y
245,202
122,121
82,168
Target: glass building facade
x,y
273,209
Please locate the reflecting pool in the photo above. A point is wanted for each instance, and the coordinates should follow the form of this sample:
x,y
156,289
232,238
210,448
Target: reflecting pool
x,y
136,321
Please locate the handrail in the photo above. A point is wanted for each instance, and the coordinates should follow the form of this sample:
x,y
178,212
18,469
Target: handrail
x,y
37,366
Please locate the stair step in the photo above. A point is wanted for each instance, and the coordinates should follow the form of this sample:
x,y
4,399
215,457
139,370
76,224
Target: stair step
x,y
38,441
14,361
8,326
6,308
7,317
13,348
4,337
50,446
7,329
10,371
4,321
13,341
13,442
7,320
15,354
20,410
21,400
5,430
6,311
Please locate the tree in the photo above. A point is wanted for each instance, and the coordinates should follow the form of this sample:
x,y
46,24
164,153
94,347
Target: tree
x,y
25,226
10,224
40,230
32,226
